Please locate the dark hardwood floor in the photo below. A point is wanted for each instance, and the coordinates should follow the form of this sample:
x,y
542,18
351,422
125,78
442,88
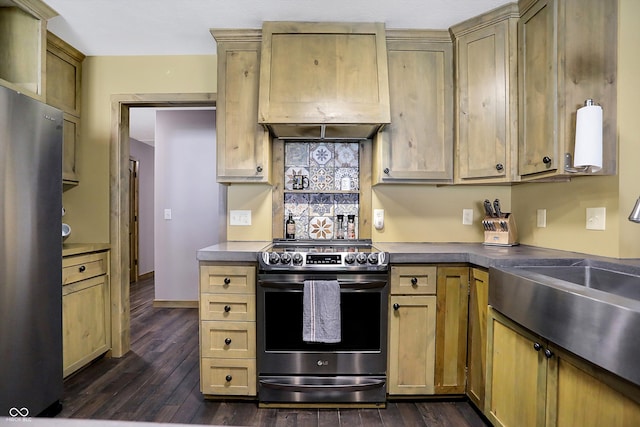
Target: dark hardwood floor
x,y
158,380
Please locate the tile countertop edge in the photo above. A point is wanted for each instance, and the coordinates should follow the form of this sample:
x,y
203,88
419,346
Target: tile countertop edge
x,y
416,252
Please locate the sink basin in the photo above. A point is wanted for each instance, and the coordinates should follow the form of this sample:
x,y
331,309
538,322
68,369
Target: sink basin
x,y
613,282
589,309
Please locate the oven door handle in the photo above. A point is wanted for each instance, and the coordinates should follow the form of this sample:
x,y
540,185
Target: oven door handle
x,y
354,285
366,385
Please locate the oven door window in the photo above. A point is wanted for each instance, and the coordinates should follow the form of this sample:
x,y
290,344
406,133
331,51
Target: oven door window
x,y
359,315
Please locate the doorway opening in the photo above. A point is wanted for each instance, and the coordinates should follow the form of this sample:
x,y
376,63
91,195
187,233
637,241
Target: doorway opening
x,y
120,204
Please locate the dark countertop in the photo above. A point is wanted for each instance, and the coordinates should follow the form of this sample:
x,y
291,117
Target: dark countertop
x,y
440,253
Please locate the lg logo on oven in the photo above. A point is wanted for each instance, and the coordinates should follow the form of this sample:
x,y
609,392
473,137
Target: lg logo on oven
x,y
323,363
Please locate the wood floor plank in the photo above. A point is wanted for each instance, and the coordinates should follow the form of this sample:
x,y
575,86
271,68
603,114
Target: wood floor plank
x,y
159,381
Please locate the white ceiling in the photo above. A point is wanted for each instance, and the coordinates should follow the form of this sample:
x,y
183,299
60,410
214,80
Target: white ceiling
x,y
171,27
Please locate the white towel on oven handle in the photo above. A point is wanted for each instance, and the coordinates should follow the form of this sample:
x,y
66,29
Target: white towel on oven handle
x,y
321,311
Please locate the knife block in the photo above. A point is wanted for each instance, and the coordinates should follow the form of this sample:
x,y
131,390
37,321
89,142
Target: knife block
x,y
501,231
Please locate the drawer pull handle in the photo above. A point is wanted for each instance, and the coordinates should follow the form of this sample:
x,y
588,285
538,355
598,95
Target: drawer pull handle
x,y
227,308
228,378
227,280
82,268
414,281
396,306
227,341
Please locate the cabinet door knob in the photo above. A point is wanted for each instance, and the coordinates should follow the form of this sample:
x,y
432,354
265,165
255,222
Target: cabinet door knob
x,y
546,160
396,306
227,280
537,346
499,166
414,281
548,353
82,268
227,341
259,169
227,308
228,378
386,171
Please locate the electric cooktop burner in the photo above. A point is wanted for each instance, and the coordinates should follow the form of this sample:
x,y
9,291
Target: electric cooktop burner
x,y
323,255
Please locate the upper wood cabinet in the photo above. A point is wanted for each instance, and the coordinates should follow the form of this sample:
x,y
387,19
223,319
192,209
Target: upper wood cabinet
x,y
64,78
567,53
243,146
323,80
486,97
23,32
417,147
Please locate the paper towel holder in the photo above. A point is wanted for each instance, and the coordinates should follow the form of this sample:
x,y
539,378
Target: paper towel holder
x,y
635,213
588,133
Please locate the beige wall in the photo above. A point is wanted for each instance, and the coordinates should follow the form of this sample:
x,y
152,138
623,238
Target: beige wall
x,y
413,213
87,205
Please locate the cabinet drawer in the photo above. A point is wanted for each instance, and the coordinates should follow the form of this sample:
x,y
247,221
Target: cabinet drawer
x,y
81,267
228,376
413,279
228,339
239,279
233,307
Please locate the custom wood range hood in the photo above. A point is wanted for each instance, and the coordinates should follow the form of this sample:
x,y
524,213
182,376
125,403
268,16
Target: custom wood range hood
x,y
323,80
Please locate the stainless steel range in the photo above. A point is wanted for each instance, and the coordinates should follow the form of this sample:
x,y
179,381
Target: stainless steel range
x,y
292,368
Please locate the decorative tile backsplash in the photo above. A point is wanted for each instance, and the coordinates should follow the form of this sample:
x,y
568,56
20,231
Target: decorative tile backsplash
x,y
332,175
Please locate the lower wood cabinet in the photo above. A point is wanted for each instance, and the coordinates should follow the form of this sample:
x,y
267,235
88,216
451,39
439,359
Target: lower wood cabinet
x,y
533,383
227,329
451,329
412,330
86,331
477,335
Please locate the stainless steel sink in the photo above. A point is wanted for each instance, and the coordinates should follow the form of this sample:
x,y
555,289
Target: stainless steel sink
x,y
613,282
591,310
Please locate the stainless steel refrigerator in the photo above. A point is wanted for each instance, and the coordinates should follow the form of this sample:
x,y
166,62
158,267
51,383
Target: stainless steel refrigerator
x,y
30,256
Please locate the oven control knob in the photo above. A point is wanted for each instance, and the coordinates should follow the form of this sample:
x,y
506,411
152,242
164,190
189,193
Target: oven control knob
x,y
373,258
274,258
361,257
349,258
297,259
285,258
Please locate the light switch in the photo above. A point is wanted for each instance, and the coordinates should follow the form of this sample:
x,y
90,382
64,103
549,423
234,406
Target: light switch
x,y
167,214
467,216
541,218
240,217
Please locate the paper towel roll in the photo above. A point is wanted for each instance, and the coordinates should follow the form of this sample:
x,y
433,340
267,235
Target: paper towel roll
x,y
588,151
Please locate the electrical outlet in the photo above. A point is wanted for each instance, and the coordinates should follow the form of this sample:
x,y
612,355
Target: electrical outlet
x,y
541,218
596,218
240,217
467,216
167,214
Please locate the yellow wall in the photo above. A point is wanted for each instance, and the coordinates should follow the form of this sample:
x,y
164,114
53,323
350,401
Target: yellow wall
x,y
412,213
87,205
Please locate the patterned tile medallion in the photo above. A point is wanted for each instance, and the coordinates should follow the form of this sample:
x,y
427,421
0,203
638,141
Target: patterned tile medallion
x,y
296,154
321,154
347,154
350,174
321,179
321,205
290,172
321,227
297,204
